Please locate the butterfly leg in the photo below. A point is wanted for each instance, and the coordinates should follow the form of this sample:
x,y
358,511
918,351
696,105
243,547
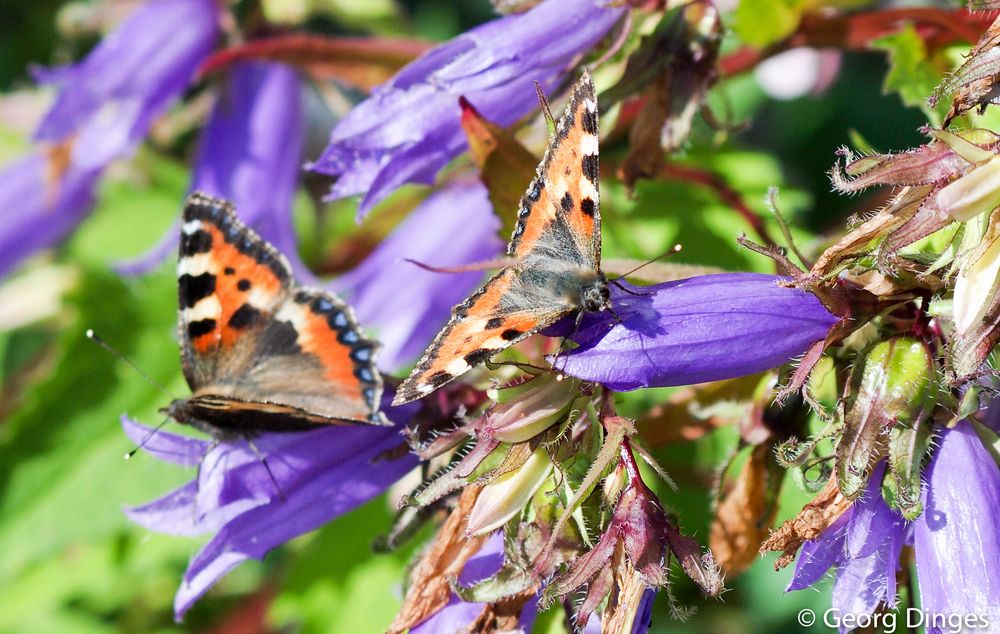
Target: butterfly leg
x,y
267,467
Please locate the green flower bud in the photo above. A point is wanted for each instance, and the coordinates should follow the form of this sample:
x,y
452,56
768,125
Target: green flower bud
x,y
894,384
540,403
509,493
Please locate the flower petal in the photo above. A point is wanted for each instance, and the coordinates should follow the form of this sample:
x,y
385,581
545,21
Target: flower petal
x,y
409,128
695,330
174,448
957,538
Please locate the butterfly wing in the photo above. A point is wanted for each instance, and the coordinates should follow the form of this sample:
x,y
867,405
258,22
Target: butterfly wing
x,y
560,216
557,242
496,317
248,335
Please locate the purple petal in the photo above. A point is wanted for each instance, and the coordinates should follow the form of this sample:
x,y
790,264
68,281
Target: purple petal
x,y
251,152
957,538
321,475
699,329
457,615
130,77
644,615
42,201
405,304
409,128
174,513
180,450
863,582
817,556
871,519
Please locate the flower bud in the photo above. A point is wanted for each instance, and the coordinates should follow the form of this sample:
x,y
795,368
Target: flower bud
x,y
506,495
540,403
893,384
977,281
973,193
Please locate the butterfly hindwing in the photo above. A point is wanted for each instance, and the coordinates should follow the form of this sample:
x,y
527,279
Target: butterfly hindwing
x,y
491,320
259,352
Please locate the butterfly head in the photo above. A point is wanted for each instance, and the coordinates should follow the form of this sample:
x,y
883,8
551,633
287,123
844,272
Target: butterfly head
x,y
595,295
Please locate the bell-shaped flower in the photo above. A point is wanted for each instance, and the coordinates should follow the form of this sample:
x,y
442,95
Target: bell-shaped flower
x,y
409,128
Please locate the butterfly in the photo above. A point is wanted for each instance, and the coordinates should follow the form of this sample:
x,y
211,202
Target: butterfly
x,y
556,248
259,352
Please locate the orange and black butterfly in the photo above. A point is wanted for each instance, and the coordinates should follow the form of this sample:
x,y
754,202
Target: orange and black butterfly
x,y
556,249
259,352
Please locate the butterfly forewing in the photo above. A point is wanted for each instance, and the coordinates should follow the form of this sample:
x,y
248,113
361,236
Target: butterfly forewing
x,y
259,352
557,246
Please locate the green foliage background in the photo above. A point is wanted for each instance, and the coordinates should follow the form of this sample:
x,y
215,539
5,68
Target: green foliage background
x,y
71,562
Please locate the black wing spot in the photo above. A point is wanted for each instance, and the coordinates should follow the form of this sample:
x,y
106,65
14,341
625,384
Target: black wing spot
x,y
279,338
200,327
567,202
591,170
510,334
476,357
494,322
589,122
199,241
588,207
439,378
229,270
243,285
194,288
244,317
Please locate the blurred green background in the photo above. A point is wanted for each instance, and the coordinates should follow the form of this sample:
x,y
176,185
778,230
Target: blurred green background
x,y
71,562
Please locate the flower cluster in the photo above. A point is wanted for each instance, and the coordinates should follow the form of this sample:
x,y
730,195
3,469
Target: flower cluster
x,y
866,372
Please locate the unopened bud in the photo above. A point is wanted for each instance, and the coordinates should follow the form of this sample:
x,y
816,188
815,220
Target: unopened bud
x,y
505,496
894,384
976,284
973,193
539,404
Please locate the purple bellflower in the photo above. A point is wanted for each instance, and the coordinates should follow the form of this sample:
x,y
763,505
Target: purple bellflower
x,y
42,201
458,615
407,305
409,128
319,474
699,329
250,153
104,107
956,542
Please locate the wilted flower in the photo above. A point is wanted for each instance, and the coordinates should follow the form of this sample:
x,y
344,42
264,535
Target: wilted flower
x,y
250,152
956,539
249,507
409,128
105,106
695,330
633,554
407,305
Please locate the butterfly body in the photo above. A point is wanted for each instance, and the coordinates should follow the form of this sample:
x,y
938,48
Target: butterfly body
x,y
556,249
260,353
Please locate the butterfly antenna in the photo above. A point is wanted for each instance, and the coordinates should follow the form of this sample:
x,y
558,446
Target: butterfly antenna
x,y
93,336
544,104
267,467
672,250
146,439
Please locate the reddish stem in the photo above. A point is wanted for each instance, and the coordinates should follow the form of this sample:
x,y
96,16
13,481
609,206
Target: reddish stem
x,y
856,31
631,468
726,194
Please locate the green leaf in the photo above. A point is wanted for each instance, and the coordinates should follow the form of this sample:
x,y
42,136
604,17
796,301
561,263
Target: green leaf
x,y
764,22
911,74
